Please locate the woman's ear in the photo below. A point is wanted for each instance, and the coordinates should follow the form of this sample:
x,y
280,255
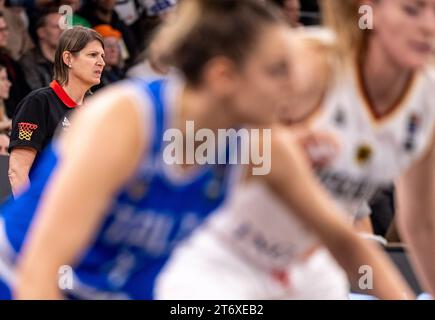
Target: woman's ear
x,y
221,75
66,57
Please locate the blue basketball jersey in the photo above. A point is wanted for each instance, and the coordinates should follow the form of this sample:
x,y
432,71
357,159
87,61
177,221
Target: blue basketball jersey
x,y
149,216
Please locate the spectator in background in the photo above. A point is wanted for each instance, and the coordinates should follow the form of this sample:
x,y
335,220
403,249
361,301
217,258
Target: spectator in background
x,y
19,41
291,10
142,17
129,11
156,11
77,20
19,87
34,15
5,86
38,63
149,66
78,65
30,4
102,12
113,71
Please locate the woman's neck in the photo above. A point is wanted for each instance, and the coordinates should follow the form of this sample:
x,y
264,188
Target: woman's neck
x,y
384,80
76,90
200,109
205,110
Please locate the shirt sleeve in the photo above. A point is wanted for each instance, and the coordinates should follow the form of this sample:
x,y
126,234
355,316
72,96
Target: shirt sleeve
x,y
29,124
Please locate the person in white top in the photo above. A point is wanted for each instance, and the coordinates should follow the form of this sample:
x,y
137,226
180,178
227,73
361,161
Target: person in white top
x,y
370,90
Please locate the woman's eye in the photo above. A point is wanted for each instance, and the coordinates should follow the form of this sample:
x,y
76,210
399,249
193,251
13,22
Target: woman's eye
x,y
411,10
279,70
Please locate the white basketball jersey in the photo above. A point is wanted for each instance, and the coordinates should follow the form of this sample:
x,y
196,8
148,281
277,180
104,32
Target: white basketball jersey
x,y
374,152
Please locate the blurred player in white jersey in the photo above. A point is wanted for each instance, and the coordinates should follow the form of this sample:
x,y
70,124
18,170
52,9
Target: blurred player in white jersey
x,y
372,91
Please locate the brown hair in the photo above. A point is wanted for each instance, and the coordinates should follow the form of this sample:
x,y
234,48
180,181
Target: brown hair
x,y
204,29
342,17
43,15
72,40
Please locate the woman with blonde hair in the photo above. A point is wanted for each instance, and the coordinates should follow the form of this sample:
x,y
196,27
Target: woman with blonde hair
x,y
371,92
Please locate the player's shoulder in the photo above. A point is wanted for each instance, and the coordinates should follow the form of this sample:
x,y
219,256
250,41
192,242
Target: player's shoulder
x,y
35,102
37,96
141,90
127,99
315,37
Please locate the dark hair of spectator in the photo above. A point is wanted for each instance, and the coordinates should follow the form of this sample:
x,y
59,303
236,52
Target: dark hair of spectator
x,y
279,3
204,29
42,16
72,40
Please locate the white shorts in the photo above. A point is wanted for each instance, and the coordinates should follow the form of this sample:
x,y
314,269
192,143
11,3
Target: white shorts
x,y
205,268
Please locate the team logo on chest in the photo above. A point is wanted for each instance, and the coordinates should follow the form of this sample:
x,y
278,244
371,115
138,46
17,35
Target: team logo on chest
x,y
364,154
413,126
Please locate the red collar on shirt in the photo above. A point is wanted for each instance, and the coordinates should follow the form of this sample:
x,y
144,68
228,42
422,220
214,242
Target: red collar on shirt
x,y
58,90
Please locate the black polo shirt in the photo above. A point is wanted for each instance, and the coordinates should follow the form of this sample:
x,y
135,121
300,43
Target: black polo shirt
x,y
38,115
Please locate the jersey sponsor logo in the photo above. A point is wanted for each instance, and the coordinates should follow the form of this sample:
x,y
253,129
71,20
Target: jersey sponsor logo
x,y
155,233
346,187
25,130
247,234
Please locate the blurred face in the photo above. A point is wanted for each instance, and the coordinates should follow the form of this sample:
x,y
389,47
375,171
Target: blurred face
x,y
51,31
87,65
106,5
263,81
112,50
292,10
5,85
4,33
405,30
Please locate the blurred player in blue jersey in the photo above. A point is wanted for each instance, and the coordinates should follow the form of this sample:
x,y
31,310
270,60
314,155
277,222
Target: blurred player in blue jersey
x,y
113,208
